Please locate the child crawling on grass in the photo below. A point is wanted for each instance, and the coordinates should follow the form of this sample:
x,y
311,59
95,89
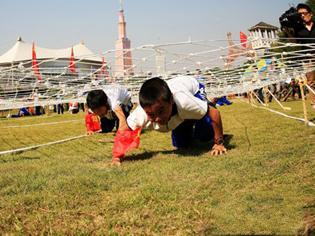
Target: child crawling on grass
x,y
112,105
178,105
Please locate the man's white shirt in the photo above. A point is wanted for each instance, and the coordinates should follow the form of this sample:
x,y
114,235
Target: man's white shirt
x,y
188,106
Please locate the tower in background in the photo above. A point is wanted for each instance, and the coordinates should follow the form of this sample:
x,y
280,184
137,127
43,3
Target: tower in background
x,y
123,60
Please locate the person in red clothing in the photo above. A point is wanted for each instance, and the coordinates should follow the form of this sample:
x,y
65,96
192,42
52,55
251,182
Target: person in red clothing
x,y
74,107
92,123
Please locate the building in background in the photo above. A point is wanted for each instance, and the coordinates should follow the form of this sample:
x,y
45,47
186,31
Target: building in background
x,y
263,35
25,67
123,59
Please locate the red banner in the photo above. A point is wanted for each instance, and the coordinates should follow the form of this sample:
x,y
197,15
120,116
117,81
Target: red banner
x,y
124,141
243,39
35,66
72,61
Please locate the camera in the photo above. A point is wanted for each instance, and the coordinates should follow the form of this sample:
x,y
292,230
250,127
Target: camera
x,y
291,19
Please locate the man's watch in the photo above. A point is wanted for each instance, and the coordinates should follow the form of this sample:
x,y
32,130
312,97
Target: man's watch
x,y
219,141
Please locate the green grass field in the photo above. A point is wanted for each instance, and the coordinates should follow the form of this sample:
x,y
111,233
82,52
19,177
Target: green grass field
x,y
263,185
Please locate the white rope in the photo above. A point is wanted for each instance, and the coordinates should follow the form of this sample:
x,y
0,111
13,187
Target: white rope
x,y
310,89
309,123
17,83
20,150
40,124
274,97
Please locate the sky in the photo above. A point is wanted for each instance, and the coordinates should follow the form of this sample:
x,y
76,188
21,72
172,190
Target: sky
x,y
63,23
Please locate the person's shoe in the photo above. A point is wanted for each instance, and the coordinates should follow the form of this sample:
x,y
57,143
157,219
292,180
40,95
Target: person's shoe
x,y
219,102
226,101
116,162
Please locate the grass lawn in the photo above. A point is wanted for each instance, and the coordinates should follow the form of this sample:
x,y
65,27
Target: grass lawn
x,y
263,185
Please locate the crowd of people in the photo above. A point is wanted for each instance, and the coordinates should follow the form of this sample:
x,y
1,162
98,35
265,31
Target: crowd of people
x,y
37,110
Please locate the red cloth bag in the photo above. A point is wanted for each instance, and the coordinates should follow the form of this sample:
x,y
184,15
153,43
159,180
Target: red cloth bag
x,y
124,141
92,122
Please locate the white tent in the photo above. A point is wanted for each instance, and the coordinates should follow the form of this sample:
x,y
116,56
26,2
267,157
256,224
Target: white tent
x,y
22,51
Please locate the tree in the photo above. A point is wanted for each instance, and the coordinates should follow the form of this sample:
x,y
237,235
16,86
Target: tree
x,y
311,4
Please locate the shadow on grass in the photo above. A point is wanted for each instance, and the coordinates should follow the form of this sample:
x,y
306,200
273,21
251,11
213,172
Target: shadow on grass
x,y
197,149
312,120
200,148
227,141
141,156
13,158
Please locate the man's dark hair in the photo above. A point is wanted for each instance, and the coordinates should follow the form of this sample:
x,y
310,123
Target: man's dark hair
x,y
303,6
152,90
97,98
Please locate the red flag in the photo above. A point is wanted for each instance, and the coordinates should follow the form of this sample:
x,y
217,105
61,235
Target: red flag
x,y
71,64
243,39
103,70
124,141
234,51
35,64
92,122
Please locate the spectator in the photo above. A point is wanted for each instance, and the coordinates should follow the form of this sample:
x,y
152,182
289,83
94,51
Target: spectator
x,y
304,33
74,107
35,97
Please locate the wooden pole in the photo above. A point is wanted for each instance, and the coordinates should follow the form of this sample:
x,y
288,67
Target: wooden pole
x,y
266,99
47,111
251,98
301,83
261,102
274,97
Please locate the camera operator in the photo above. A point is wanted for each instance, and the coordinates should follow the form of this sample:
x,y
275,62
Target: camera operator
x,y
305,34
301,21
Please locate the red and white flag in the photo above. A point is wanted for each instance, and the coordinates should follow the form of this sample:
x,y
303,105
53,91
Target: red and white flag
x,y
35,66
243,39
72,61
125,140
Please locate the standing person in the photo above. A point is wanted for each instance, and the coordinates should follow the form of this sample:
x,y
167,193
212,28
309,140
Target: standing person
x,y
306,35
35,97
74,107
60,107
180,106
112,105
303,27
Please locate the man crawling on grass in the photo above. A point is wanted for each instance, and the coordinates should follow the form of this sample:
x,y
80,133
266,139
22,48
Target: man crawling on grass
x,y
179,105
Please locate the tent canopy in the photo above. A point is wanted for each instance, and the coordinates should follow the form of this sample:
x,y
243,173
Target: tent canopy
x,y
22,51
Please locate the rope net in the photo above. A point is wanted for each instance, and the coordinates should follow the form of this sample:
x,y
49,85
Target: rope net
x,y
222,65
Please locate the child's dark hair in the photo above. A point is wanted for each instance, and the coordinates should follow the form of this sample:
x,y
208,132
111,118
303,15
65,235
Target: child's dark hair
x,y
152,90
96,98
